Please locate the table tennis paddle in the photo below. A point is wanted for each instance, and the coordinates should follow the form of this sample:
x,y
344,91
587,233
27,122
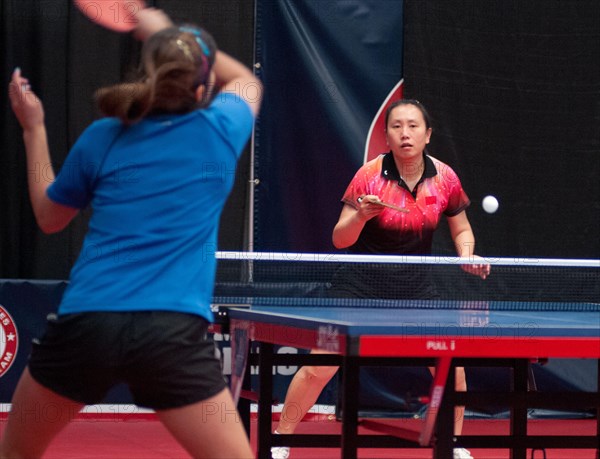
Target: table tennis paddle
x,y
386,204
117,15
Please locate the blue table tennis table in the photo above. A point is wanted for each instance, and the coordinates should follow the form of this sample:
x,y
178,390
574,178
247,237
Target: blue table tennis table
x,y
444,334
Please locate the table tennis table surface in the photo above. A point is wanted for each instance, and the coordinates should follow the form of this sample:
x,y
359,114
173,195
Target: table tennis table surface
x,y
405,332
433,327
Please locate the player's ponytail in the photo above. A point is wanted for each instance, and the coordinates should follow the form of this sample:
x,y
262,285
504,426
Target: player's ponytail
x,y
176,62
127,101
173,89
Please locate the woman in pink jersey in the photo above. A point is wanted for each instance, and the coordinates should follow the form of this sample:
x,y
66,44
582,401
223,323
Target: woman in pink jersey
x,y
424,188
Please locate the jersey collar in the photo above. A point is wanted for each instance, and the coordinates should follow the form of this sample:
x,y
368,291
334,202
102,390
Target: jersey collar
x,y
389,171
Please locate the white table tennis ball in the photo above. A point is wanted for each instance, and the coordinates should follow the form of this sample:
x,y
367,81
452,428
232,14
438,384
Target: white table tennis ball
x,y
490,204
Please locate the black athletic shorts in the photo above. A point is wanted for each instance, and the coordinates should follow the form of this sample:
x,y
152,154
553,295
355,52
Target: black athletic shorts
x,y
166,358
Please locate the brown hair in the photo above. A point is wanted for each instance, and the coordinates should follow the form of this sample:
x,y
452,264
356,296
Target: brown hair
x,y
175,61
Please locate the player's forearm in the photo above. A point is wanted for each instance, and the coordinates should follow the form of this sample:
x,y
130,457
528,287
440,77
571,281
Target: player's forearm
x,y
39,169
462,235
234,77
347,231
464,242
228,69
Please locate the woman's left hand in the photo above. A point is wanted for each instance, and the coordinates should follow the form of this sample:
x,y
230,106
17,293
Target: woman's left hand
x,y
25,104
478,269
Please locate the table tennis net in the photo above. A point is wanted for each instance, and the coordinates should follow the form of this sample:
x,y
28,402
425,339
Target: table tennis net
x,y
302,279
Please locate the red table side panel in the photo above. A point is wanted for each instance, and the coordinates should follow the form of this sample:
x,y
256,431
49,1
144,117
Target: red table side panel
x,y
325,338
434,346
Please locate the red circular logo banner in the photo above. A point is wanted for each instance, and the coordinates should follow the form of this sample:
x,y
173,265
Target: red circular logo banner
x,y
9,341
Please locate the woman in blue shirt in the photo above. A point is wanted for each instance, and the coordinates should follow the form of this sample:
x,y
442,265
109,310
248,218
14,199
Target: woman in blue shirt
x,y
156,171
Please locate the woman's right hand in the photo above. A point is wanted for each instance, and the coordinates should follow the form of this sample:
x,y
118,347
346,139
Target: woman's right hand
x,y
368,207
150,21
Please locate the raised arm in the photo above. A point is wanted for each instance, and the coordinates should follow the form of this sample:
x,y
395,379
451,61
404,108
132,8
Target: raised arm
x,y
234,77
50,216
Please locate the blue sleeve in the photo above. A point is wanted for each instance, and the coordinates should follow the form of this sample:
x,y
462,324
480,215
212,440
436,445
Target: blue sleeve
x,y
233,117
74,183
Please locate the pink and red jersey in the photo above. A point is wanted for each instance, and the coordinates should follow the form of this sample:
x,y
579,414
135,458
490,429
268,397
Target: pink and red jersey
x,y
392,232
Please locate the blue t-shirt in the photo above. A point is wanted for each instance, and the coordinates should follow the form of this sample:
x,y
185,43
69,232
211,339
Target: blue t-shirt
x,y
157,190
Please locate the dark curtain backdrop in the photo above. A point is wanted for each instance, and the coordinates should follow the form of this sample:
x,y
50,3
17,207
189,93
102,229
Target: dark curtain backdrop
x,y
514,90
66,58
513,87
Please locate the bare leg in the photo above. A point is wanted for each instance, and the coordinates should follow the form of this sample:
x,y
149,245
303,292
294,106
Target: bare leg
x,y
304,390
37,416
209,429
460,386
459,411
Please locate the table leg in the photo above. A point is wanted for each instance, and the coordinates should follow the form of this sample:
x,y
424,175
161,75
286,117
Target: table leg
x,y
598,412
444,427
240,377
244,404
436,394
350,401
265,378
518,415
240,350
